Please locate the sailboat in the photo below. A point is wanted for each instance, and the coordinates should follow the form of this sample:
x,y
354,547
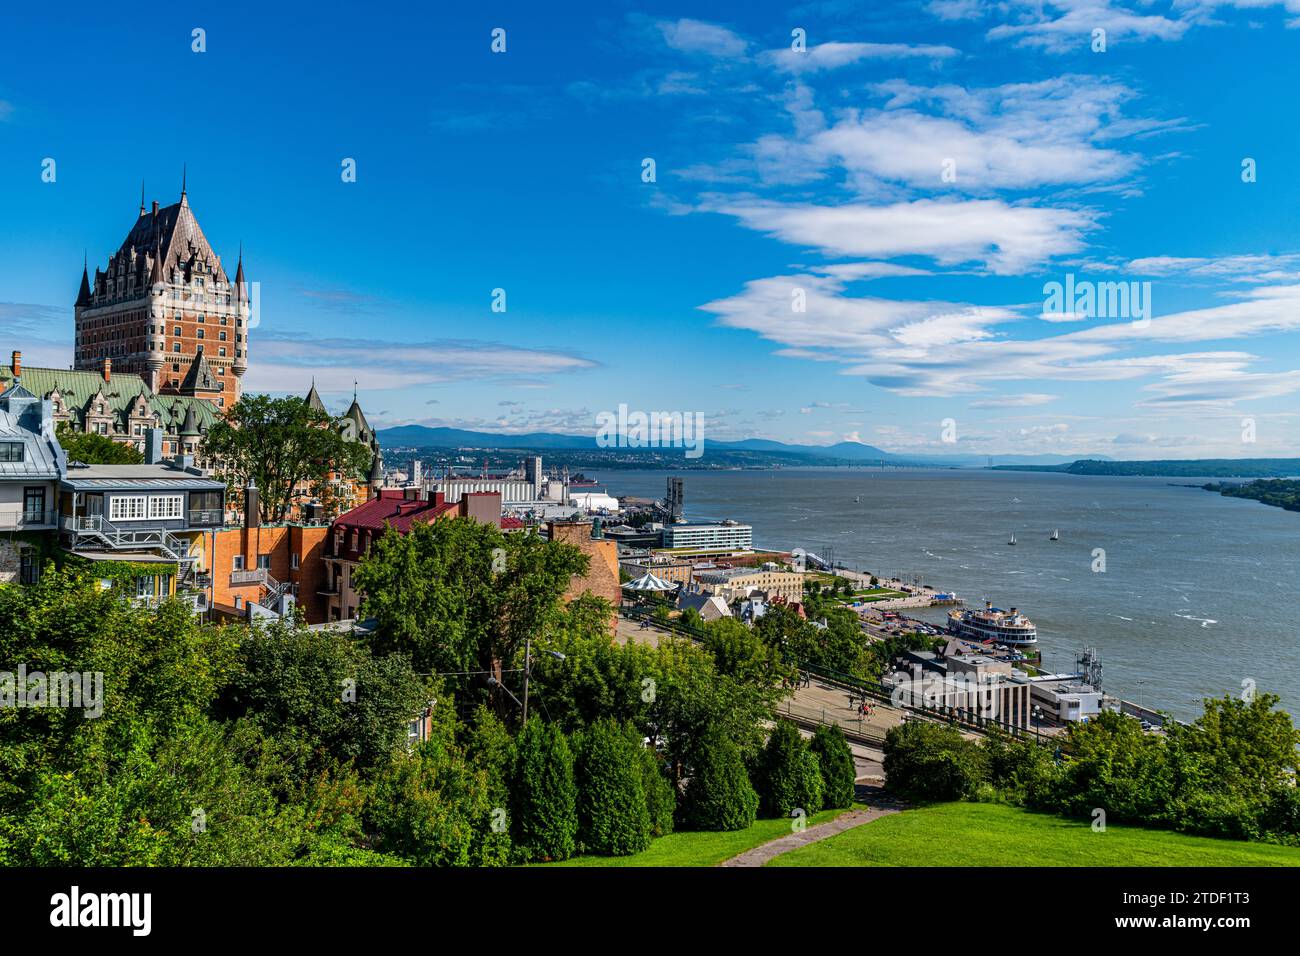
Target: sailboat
x,y
1013,538
857,498
1054,536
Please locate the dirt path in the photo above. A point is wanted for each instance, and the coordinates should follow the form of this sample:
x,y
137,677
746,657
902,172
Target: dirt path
x,y
879,806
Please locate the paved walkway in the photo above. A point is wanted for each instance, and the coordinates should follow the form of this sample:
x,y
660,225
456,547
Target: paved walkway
x,y
758,856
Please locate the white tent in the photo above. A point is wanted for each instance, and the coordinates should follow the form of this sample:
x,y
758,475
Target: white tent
x,y
649,582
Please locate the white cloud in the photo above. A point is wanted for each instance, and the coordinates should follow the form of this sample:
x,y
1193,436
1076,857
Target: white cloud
x,y
1023,400
832,56
1006,238
1058,26
696,36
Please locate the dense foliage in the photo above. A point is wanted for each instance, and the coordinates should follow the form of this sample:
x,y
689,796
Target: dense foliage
x,y
91,448
1278,492
1229,773
788,776
719,795
835,761
282,444
613,818
544,811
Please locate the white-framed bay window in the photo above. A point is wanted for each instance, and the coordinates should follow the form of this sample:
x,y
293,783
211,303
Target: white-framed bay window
x,y
166,507
127,508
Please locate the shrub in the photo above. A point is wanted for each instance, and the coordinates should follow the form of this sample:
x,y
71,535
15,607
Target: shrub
x,y
660,794
837,768
431,809
929,762
612,815
545,817
789,777
718,795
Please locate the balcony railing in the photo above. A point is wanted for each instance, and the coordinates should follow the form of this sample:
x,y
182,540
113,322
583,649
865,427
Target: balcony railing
x,y
251,576
212,518
26,520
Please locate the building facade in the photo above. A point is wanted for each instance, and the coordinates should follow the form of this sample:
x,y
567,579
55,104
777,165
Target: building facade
x,y
165,309
118,405
727,536
735,584
31,463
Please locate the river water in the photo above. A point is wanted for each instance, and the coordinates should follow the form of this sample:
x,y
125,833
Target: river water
x,y
1196,598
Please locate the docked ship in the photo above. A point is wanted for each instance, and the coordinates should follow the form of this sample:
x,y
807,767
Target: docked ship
x,y
993,624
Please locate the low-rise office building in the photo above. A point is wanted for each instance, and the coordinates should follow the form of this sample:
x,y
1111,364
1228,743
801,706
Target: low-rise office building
x,y
725,536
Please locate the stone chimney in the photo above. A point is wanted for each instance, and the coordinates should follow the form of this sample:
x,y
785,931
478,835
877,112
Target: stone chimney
x,y
17,363
108,370
252,506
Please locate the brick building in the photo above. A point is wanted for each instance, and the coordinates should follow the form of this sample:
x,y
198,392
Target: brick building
x,y
602,575
352,535
164,309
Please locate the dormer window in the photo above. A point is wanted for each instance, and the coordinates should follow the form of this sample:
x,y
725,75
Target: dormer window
x,y
12,451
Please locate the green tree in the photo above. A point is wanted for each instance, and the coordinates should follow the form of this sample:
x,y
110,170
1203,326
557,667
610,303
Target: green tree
x,y
613,819
94,449
459,595
281,444
719,795
929,762
545,816
788,776
835,761
326,692
660,792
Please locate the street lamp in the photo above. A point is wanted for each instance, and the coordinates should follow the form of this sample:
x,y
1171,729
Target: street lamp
x,y
528,673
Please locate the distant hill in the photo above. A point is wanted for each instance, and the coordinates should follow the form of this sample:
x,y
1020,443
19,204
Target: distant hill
x,y
1184,468
422,436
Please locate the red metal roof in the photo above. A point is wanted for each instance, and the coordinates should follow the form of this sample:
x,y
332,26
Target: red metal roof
x,y
393,508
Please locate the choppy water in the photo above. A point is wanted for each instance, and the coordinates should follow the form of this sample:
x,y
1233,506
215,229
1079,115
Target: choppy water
x,y
1199,593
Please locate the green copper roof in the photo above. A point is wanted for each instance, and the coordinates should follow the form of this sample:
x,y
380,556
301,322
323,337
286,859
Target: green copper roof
x,y
78,388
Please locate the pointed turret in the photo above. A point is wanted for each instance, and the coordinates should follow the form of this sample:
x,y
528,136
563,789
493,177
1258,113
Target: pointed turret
x,y
83,297
241,291
190,427
313,399
199,378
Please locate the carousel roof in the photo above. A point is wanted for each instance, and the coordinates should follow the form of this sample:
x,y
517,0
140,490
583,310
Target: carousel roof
x,y
650,582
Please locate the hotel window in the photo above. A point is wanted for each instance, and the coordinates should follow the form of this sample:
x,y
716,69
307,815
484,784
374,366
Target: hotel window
x,y
264,562
176,331
222,351
223,336
176,347
237,563
166,507
127,508
293,561
200,333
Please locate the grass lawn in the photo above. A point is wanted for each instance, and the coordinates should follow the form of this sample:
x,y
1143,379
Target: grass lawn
x,y
700,849
986,834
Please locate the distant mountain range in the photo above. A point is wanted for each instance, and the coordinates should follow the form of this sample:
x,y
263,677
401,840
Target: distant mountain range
x,y
422,436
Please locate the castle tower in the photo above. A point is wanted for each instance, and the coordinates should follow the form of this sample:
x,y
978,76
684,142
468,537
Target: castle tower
x,y
165,309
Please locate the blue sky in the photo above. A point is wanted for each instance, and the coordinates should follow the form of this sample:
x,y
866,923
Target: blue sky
x,y
821,171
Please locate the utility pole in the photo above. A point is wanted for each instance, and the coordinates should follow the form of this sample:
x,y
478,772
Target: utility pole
x,y
528,669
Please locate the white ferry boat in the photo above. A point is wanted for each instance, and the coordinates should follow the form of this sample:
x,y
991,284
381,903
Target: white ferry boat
x,y
993,624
